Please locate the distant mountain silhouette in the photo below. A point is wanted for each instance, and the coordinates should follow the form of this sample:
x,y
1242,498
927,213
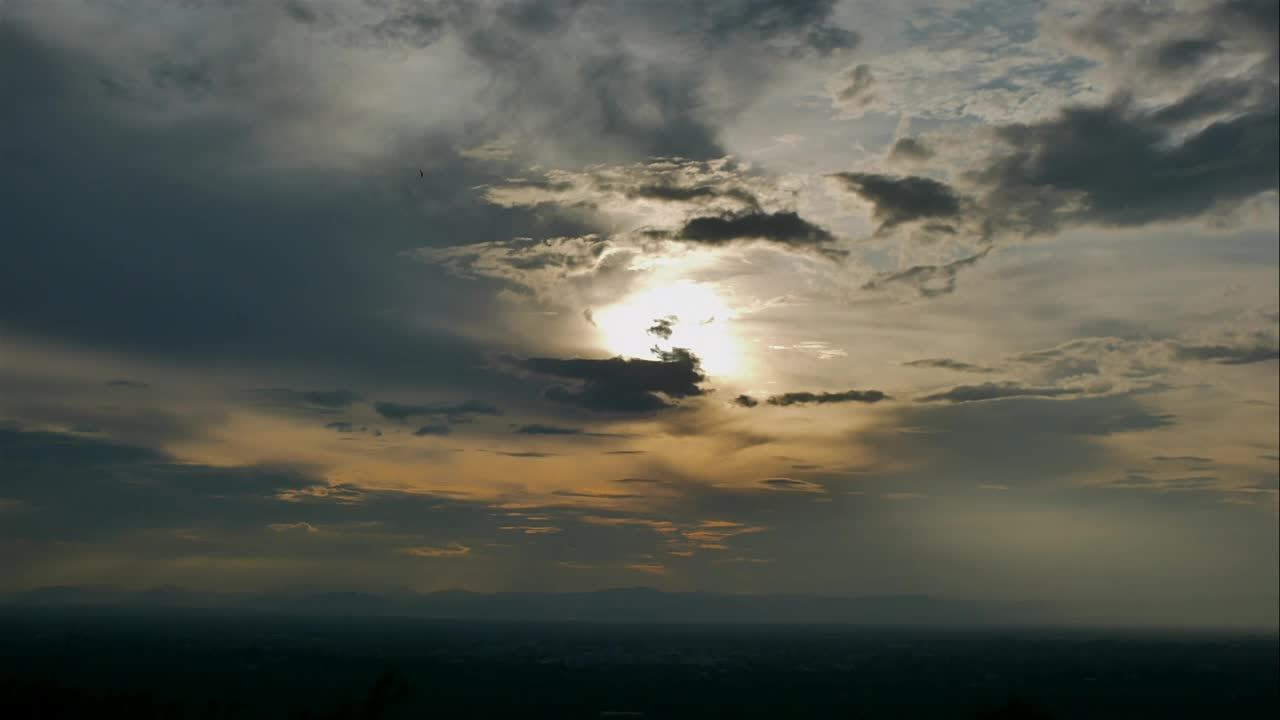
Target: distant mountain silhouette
x,y
632,605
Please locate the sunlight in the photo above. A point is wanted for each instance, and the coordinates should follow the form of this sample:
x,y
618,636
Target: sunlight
x,y
693,314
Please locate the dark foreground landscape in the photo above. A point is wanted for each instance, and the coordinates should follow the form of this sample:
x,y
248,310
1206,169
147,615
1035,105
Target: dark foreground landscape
x,y
202,663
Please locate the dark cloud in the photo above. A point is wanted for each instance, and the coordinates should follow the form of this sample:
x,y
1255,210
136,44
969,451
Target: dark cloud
x,y
1214,97
1126,163
1134,481
596,495
565,68
854,88
1193,459
783,228
1186,53
548,430
910,149
82,497
926,280
1168,41
348,427
1118,165
438,430
312,399
524,454
415,24
1017,441
82,487
662,327
784,483
996,391
746,401
807,398
1263,350
300,11
186,239
905,199
129,384
556,430
453,412
622,384
681,193
949,364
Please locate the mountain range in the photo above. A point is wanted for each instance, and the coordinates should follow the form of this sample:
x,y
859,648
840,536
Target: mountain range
x,y
627,605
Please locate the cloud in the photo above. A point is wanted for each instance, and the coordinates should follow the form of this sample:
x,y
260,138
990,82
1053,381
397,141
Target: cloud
x,y
1117,165
1016,442
308,399
949,364
560,431
92,488
638,79
651,209
439,430
1134,481
294,527
792,484
415,24
128,384
1168,43
1126,363
452,412
997,391
927,281
1264,350
452,549
901,496
908,149
596,495
662,327
897,200
807,398
346,426
550,269
548,430
622,384
783,228
531,529
644,189
166,292
853,90
746,401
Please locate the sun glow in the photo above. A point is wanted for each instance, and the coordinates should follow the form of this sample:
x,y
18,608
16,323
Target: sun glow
x,y
681,314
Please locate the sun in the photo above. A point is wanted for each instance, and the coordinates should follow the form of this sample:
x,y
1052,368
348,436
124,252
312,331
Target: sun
x,y
683,314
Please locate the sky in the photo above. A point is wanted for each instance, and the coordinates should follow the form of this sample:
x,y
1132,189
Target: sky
x,y
973,300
